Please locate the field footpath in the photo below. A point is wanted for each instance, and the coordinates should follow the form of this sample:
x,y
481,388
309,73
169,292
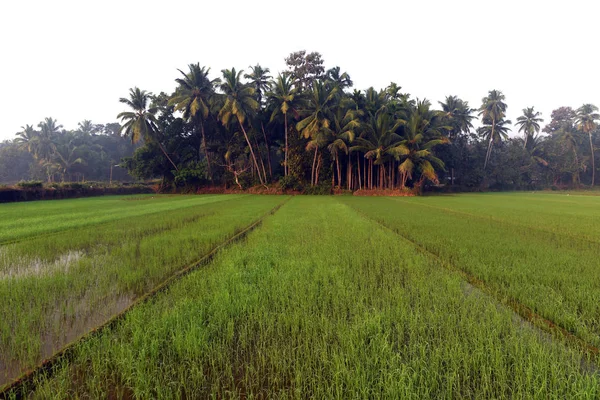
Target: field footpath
x,y
525,312
46,367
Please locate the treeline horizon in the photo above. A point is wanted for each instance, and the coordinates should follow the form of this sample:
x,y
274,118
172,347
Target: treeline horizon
x,y
308,129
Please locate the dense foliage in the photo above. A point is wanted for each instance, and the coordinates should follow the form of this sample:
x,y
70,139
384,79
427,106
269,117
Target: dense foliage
x,y
306,127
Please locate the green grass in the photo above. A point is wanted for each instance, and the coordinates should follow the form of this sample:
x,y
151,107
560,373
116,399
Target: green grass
x,y
320,302
331,297
553,271
22,220
54,289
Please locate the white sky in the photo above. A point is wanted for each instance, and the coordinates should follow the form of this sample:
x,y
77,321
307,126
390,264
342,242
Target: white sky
x,y
72,60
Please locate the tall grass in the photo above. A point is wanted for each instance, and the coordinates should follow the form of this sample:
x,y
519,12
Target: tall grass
x,y
555,274
54,289
321,302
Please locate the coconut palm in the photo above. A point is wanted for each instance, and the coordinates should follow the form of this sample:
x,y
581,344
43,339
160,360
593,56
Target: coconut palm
x,y
494,133
422,131
529,123
193,97
284,98
261,80
66,154
587,116
86,127
377,141
141,123
316,125
239,104
28,139
492,110
340,80
49,129
345,126
458,115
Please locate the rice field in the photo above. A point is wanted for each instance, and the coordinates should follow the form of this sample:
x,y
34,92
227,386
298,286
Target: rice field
x,y
466,296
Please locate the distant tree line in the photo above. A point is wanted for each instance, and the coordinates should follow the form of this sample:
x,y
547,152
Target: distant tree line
x,y
47,152
308,128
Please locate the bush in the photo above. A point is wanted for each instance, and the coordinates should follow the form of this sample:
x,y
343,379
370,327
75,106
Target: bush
x,y
30,184
290,182
321,189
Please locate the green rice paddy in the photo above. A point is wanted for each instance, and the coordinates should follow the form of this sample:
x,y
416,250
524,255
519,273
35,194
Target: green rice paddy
x,y
328,297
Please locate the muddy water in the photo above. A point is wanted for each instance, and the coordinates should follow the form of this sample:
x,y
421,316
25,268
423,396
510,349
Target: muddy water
x,y
22,268
68,328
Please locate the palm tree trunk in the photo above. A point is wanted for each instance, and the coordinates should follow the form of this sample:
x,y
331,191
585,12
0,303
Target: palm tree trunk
x,y
339,171
489,151
205,150
349,172
268,150
593,163
318,169
251,152
358,166
166,155
285,162
312,172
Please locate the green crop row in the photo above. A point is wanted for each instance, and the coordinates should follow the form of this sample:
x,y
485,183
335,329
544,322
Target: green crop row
x,y
322,302
555,275
54,289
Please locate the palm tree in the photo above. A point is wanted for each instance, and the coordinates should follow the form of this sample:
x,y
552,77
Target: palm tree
x,y
458,115
239,104
141,123
377,142
193,97
345,125
317,123
86,127
494,133
28,139
529,123
586,122
66,154
260,79
284,98
340,80
492,110
422,131
49,129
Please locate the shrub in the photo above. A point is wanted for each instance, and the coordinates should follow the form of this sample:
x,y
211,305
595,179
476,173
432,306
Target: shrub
x,y
30,184
320,189
290,182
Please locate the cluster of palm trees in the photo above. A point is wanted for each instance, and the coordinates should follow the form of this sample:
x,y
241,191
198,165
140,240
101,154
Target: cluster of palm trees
x,y
371,139
307,126
63,155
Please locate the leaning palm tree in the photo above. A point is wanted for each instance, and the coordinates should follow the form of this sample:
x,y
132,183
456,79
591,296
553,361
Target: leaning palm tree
x,y
318,120
193,97
529,123
494,133
587,116
239,104
141,123
492,110
284,98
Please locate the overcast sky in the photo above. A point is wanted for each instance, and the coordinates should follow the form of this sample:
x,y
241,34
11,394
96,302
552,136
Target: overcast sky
x,y
72,60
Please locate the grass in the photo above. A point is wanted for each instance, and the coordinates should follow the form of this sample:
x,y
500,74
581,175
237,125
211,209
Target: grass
x,y
528,258
82,277
331,297
321,302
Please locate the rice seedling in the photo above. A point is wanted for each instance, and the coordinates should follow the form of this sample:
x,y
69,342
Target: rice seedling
x,y
321,302
55,288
